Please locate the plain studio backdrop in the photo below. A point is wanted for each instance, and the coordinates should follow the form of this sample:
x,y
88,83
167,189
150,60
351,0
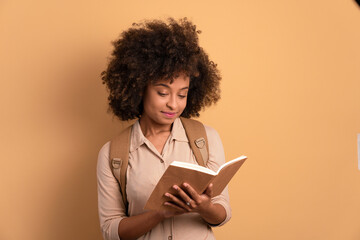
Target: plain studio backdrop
x,y
290,102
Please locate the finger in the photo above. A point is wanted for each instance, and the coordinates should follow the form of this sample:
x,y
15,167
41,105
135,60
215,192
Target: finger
x,y
209,190
178,201
193,194
178,209
185,197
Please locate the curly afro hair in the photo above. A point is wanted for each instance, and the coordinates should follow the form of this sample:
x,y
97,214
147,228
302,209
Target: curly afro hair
x,y
156,50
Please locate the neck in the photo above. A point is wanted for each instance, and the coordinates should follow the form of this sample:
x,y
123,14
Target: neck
x,y
151,128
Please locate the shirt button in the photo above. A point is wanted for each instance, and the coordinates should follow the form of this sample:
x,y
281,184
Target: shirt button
x,y
169,237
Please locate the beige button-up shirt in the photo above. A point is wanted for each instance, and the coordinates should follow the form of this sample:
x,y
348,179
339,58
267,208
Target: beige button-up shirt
x,y
146,166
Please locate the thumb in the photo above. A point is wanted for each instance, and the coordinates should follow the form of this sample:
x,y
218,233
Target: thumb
x,y
209,190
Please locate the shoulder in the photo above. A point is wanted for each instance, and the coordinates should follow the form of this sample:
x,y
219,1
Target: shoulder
x,y
104,151
212,134
103,157
216,149
210,131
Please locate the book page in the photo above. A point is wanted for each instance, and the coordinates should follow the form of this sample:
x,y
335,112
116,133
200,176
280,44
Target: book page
x,y
231,162
193,167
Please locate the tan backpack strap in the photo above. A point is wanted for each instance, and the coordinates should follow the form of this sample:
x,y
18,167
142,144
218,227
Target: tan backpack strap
x,y
119,159
196,134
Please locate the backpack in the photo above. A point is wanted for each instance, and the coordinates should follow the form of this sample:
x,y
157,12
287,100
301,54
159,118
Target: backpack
x,y
120,145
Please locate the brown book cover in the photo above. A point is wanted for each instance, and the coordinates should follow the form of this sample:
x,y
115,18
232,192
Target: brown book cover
x,y
197,176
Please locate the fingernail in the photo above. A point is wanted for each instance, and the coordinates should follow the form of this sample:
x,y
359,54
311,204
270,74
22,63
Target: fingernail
x,y
167,194
175,187
186,185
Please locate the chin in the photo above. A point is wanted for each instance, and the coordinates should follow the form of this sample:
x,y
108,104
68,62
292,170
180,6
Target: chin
x,y
164,120
169,120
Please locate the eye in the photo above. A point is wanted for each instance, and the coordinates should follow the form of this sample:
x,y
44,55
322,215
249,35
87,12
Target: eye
x,y
162,94
182,94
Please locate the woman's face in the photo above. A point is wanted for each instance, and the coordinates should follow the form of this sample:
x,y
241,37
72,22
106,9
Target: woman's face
x,y
164,101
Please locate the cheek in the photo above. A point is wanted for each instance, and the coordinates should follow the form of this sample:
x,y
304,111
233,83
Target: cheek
x,y
183,104
154,102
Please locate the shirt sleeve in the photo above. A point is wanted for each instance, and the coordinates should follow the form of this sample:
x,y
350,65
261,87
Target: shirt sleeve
x,y
216,159
110,204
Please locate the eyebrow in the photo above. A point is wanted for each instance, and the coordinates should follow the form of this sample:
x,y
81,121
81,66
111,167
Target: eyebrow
x,y
167,86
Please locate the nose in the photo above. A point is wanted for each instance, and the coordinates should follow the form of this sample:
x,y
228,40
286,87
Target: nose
x,y
171,103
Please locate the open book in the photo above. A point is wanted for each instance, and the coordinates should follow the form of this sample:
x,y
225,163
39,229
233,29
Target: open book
x,y
197,176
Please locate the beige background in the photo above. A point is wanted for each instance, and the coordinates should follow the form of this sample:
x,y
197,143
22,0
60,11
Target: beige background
x,y
290,101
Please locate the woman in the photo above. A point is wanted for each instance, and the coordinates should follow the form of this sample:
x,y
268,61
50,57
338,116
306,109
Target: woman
x,y
158,73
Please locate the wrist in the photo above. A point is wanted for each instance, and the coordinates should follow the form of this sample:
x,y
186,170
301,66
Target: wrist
x,y
208,210
214,214
160,215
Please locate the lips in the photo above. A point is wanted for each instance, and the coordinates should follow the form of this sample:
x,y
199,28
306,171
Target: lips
x,y
169,114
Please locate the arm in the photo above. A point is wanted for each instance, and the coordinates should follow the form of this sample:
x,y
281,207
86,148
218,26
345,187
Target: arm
x,y
216,214
114,222
136,226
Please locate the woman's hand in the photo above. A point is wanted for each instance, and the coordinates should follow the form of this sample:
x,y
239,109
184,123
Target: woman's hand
x,y
190,201
173,212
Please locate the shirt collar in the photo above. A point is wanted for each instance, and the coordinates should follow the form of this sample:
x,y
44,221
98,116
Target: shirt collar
x,y
137,137
178,131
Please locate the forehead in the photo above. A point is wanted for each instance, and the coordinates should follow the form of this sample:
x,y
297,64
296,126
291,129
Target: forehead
x,y
178,80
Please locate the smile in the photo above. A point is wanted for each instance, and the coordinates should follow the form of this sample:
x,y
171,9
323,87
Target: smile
x,y
169,114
